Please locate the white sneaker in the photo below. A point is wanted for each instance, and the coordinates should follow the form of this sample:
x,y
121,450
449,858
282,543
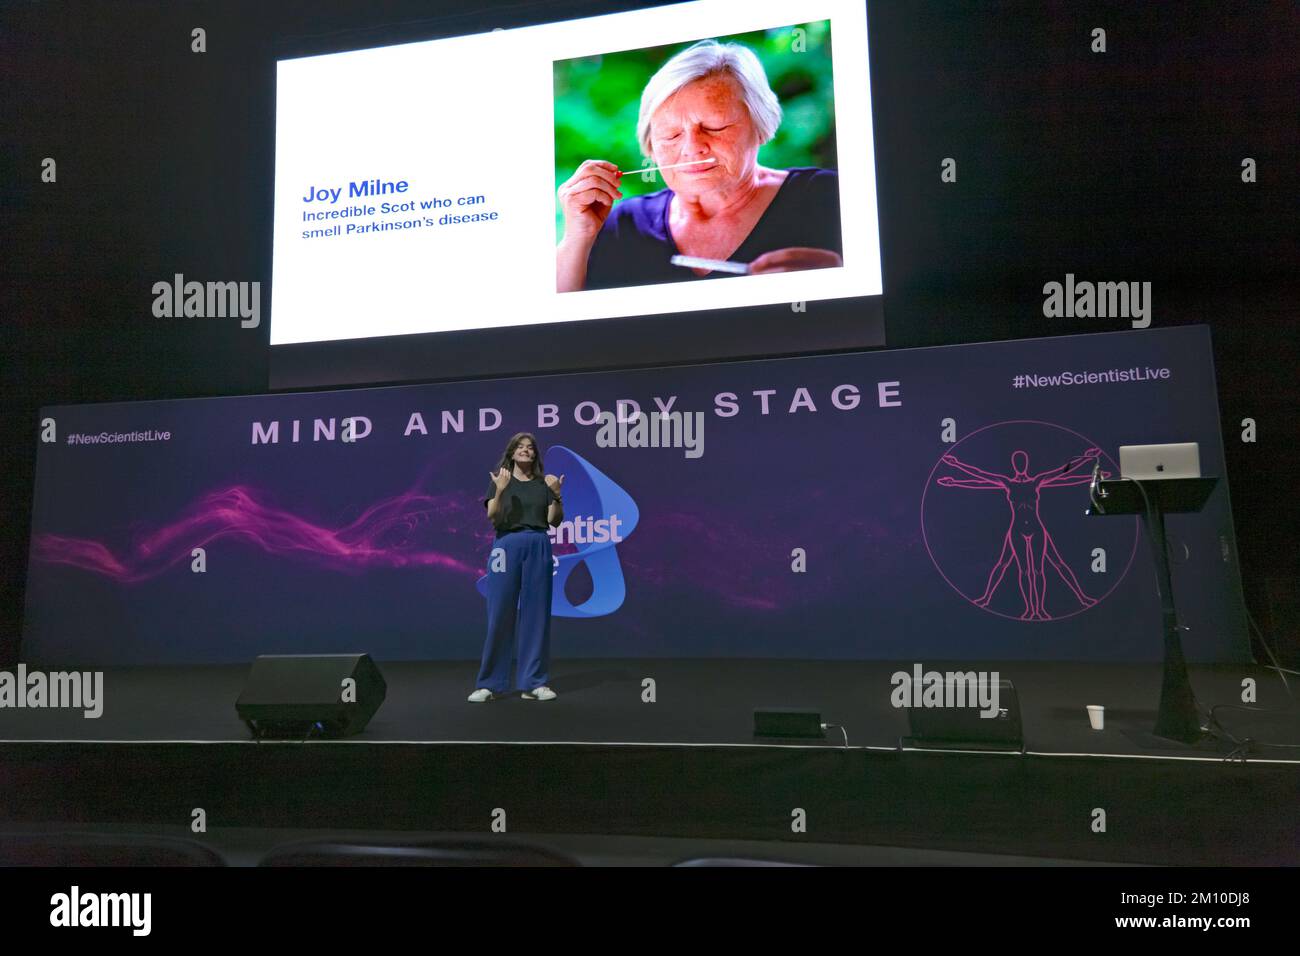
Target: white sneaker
x,y
480,695
540,693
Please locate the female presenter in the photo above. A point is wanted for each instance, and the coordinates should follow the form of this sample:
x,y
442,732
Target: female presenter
x,y
521,501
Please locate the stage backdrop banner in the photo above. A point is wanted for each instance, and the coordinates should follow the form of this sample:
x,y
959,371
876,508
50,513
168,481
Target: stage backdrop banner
x,y
920,504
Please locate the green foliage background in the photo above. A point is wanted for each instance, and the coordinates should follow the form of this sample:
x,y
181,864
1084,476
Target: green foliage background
x,y
597,99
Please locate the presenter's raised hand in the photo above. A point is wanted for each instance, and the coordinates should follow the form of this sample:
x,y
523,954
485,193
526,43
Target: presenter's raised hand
x,y
587,197
501,479
554,483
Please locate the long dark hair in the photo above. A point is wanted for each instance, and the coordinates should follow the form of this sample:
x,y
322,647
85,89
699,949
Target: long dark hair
x,y
508,459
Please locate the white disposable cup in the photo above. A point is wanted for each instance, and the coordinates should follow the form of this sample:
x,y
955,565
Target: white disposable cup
x,y
1097,716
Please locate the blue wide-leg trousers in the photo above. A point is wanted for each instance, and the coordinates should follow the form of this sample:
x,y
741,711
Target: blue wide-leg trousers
x,y
519,612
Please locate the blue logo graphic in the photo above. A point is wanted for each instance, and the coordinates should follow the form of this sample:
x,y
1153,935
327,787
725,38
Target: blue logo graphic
x,y
589,494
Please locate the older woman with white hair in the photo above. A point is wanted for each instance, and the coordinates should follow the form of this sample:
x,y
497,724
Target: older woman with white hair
x,y
704,115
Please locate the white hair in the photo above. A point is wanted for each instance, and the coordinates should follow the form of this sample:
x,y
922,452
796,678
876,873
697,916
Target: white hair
x,y
711,58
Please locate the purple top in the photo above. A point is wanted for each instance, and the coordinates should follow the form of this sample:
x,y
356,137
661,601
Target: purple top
x,y
635,244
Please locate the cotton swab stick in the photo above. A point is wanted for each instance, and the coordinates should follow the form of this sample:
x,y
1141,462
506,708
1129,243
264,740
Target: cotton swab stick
x,y
654,169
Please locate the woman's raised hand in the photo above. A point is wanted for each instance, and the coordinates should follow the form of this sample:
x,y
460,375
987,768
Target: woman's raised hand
x,y
587,197
501,479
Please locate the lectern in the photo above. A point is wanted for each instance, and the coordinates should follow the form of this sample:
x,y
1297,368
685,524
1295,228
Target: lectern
x,y
1177,718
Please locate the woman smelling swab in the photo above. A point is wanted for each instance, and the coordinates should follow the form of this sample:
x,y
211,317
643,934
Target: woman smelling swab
x,y
704,115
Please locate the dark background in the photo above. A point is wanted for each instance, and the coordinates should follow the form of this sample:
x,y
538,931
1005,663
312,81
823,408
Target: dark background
x,y
1115,166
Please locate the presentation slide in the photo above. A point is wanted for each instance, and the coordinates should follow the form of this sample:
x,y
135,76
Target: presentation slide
x,y
699,156
889,505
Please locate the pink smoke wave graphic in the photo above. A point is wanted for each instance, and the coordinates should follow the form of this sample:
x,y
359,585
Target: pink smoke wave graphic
x,y
387,534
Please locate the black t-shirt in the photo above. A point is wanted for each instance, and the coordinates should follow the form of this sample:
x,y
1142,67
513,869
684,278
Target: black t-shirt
x,y
523,505
635,243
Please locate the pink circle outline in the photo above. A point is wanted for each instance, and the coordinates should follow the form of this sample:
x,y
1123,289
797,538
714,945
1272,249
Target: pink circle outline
x,y
933,560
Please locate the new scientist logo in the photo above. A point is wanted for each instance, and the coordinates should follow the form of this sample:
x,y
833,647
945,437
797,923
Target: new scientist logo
x,y
605,515
588,529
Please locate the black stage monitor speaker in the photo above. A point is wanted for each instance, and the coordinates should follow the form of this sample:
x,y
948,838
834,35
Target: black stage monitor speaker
x,y
964,727
310,695
787,722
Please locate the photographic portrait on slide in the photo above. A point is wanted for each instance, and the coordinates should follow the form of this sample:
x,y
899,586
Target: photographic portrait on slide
x,y
735,170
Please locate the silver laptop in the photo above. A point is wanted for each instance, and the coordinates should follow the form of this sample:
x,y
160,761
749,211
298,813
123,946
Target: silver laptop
x,y
1151,462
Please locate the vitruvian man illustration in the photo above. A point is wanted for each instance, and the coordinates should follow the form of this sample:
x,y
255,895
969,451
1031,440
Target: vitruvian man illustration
x,y
1027,542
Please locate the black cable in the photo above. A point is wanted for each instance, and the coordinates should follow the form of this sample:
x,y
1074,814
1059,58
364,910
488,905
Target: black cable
x,y
1244,746
1276,666
842,730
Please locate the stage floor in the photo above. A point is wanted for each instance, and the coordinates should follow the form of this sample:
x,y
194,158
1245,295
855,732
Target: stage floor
x,y
705,702
245,846
598,762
